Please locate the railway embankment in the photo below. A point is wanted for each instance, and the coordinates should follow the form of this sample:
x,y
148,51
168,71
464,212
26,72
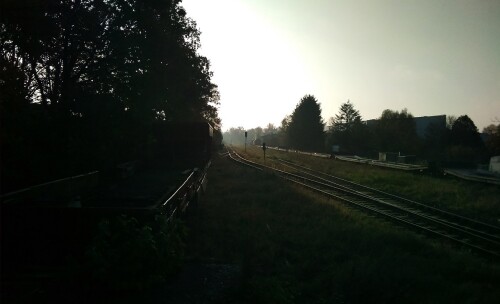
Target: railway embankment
x,y
255,238
294,246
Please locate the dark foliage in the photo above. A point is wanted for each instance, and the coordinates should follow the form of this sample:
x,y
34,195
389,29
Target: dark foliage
x,y
283,131
347,117
271,135
128,256
492,141
348,131
236,136
306,127
466,145
83,81
465,133
396,132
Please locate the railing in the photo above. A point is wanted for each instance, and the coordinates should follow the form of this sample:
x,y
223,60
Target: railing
x,y
63,192
65,187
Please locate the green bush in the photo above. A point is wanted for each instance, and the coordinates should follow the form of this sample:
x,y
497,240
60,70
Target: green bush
x,y
126,254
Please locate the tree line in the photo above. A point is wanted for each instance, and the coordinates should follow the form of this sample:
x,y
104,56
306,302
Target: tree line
x,y
394,131
456,142
83,82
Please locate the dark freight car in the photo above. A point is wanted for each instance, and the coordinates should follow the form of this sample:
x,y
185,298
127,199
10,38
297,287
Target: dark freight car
x,y
183,142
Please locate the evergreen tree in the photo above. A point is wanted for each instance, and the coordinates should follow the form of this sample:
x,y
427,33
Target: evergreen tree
x,y
348,131
306,127
346,118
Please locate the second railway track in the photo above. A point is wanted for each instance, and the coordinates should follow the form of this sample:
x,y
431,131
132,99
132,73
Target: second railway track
x,y
467,233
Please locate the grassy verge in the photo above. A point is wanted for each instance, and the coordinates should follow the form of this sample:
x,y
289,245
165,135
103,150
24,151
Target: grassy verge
x,y
472,199
296,247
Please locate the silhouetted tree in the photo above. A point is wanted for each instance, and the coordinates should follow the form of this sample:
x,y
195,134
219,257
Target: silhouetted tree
x,y
283,130
97,74
258,133
270,129
492,142
491,129
306,128
348,131
141,54
346,118
396,132
465,133
234,136
466,146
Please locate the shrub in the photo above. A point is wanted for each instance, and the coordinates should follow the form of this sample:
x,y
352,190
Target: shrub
x,y
126,254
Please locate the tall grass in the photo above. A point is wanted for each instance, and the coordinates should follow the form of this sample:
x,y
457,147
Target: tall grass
x,y
471,199
297,247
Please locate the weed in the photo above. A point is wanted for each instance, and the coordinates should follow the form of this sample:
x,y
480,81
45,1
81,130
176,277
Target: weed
x,y
298,247
126,255
476,200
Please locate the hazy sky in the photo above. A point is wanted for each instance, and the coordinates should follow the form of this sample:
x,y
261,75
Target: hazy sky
x,y
432,57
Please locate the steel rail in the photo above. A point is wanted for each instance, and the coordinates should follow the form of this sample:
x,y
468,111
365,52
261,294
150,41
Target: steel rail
x,y
399,198
476,233
405,212
398,219
292,177
244,161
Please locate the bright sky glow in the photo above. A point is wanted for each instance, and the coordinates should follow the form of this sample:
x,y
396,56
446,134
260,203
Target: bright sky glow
x,y
430,56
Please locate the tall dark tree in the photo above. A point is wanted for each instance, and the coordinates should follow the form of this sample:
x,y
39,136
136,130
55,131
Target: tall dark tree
x,y
348,131
141,54
306,128
347,117
492,142
283,130
466,146
465,133
92,77
396,132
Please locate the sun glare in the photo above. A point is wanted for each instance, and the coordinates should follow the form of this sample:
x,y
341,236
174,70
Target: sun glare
x,y
264,75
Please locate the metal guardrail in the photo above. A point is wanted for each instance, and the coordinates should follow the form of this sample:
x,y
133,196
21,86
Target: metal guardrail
x,y
68,186
67,189
188,192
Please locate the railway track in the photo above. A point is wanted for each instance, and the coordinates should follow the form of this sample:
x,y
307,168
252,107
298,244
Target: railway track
x,y
467,233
